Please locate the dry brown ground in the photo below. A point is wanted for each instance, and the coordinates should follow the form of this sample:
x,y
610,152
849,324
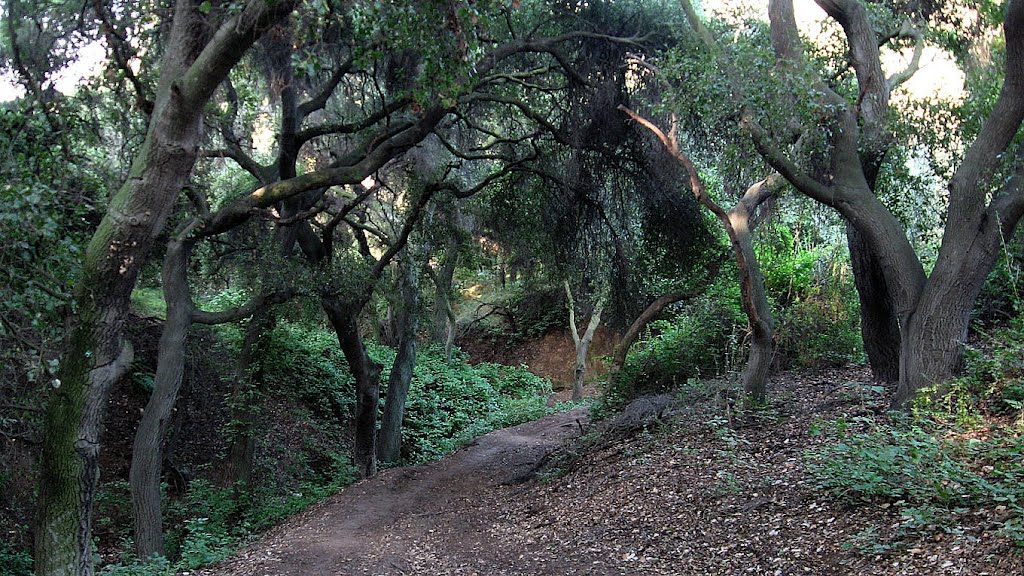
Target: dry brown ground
x,y
695,497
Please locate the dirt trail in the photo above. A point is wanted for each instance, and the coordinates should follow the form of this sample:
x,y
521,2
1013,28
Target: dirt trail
x,y
396,521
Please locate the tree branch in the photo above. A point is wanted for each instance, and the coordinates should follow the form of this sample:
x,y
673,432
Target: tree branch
x,y
324,94
121,58
244,311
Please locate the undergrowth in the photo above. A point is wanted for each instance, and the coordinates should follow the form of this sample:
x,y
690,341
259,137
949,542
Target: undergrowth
x,y
960,450
303,458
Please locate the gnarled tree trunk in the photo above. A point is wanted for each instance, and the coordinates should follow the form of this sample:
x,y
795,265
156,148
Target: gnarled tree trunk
x,y
344,318
192,67
738,223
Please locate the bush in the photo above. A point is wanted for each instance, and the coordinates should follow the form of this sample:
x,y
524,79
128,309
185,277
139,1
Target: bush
x,y
955,452
449,404
817,314
701,341
14,562
930,474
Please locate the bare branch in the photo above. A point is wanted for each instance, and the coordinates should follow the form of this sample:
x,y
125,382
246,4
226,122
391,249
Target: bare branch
x,y
908,31
324,94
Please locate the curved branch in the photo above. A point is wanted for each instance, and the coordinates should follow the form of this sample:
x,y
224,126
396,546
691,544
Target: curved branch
x,y
324,94
244,161
784,165
908,31
244,311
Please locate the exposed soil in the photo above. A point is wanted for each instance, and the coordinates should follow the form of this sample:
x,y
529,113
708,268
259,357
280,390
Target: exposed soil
x,y
551,356
707,494
397,521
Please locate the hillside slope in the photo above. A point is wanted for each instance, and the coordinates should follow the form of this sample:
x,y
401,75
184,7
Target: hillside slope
x,y
700,496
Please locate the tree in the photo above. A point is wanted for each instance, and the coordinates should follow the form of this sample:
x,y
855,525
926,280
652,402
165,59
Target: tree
x,y
193,65
986,201
581,341
739,223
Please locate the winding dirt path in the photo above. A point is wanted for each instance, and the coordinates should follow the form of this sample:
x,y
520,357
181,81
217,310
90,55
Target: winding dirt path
x,y
404,518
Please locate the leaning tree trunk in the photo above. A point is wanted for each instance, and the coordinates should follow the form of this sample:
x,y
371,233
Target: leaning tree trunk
x,y
879,325
650,313
444,315
191,70
344,319
390,439
633,332
147,450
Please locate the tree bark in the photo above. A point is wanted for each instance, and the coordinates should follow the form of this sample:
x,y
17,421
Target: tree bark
x,y
879,327
191,69
390,439
936,332
344,318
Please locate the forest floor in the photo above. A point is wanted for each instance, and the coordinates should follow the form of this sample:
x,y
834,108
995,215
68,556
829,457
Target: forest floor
x,y
699,496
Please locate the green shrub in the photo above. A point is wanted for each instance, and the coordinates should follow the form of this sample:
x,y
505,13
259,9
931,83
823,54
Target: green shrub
x,y
930,473
819,330
701,341
813,300
13,561
449,404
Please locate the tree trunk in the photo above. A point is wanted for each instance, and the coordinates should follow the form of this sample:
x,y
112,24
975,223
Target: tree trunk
x,y
936,333
344,319
738,223
582,343
752,291
147,450
879,325
390,441
191,69
245,401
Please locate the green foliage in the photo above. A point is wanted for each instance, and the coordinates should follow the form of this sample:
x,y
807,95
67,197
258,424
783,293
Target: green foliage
x,y
149,302
14,562
951,455
701,341
449,404
304,362
930,473
813,300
